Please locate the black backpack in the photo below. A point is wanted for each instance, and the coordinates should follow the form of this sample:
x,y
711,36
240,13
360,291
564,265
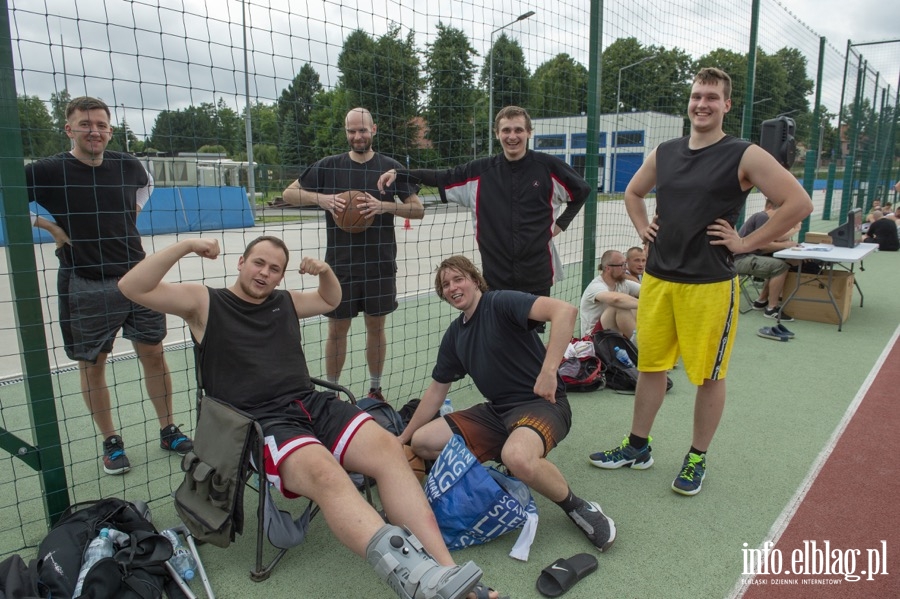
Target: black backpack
x,y
618,376
383,413
136,571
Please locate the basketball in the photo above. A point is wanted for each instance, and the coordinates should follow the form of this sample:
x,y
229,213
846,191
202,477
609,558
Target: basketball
x,y
416,463
351,219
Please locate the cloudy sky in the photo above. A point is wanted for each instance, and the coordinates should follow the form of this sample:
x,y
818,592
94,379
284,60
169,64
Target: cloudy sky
x,y
143,56
858,21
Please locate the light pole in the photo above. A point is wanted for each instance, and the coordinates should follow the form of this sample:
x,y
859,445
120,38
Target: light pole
x,y
614,143
749,113
528,14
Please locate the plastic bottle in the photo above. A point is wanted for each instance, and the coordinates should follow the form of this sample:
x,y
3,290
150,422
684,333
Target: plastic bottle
x,y
182,559
622,356
101,546
446,407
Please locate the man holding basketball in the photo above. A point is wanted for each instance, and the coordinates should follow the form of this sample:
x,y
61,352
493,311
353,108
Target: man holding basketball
x,y
365,262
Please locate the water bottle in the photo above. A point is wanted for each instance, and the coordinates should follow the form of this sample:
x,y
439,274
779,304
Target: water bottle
x,y
182,559
101,546
622,356
446,407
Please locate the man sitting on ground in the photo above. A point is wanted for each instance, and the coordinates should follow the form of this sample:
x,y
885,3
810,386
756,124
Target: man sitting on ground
x,y
762,265
610,299
526,413
883,231
248,351
635,261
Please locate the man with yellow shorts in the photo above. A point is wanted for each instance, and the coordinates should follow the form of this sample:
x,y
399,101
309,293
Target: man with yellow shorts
x,y
689,293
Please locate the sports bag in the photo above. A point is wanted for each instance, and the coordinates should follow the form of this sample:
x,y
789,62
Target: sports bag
x,y
581,370
474,504
210,499
136,571
618,376
383,413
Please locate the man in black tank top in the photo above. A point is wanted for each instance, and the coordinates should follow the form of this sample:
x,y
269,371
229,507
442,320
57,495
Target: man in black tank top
x,y
249,354
688,303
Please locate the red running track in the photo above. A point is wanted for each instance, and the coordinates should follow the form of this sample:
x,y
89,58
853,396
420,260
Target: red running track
x,y
853,505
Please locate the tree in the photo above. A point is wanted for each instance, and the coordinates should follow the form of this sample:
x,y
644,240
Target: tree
x,y
799,87
328,114
212,149
294,109
559,88
229,128
511,77
185,130
264,118
38,132
383,76
58,103
450,76
652,78
123,138
827,132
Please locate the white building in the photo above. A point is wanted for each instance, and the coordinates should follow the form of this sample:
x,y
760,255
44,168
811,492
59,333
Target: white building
x,y
636,134
191,169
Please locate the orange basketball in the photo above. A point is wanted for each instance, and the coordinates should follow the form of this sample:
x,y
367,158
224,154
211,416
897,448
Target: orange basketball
x,y
416,463
351,219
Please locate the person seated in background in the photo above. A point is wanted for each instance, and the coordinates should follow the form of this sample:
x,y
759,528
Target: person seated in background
x,y
762,265
611,298
876,206
635,261
883,231
894,216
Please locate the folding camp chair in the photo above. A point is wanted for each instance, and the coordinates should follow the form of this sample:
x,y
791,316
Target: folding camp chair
x,y
277,526
746,282
282,531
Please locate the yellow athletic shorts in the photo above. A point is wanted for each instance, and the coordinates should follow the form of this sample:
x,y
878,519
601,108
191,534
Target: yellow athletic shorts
x,y
695,321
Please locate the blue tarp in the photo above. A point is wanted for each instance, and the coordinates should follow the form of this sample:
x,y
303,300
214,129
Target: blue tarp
x,y
179,210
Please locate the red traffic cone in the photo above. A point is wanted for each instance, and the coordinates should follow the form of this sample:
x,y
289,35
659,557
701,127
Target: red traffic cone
x,y
406,225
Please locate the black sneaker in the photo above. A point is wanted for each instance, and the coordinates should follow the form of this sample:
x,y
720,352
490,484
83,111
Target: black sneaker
x,y
596,526
172,439
760,305
375,393
773,313
114,459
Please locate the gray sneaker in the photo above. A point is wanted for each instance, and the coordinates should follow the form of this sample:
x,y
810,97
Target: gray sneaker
x,y
596,526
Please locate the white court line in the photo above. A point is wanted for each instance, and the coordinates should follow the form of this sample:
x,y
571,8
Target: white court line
x,y
781,523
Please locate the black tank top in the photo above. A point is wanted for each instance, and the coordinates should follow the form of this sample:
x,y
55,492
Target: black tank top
x,y
693,189
251,354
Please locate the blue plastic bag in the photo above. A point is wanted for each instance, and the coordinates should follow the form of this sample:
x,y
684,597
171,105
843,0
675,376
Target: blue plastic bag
x,y
474,504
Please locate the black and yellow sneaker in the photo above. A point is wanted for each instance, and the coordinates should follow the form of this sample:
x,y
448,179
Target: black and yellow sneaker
x,y
693,471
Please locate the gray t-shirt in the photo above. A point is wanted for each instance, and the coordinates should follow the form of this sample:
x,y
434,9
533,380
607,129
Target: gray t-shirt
x,y
591,309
